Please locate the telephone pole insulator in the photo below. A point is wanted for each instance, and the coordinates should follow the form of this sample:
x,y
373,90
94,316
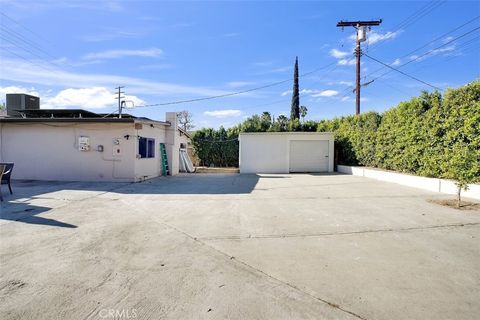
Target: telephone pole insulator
x,y
360,26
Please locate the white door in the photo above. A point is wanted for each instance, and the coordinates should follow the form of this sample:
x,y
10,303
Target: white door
x,y
309,156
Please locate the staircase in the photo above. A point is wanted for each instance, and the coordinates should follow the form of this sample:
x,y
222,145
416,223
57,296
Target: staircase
x,y
164,160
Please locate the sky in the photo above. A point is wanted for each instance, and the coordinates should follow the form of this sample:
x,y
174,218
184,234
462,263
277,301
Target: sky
x,y
73,54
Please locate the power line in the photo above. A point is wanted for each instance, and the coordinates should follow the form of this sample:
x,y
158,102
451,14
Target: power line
x,y
26,59
20,41
405,74
426,53
21,25
19,46
30,43
237,92
410,20
417,15
432,41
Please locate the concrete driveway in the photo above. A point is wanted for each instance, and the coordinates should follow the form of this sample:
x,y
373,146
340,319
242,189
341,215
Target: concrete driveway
x,y
236,247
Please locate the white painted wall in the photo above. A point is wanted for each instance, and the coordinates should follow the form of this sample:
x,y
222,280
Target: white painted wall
x,y
269,152
430,184
49,151
146,168
172,141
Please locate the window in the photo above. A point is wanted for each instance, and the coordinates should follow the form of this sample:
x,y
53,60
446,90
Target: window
x,y
146,147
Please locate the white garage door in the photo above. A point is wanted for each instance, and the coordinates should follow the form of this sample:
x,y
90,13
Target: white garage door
x,y
308,156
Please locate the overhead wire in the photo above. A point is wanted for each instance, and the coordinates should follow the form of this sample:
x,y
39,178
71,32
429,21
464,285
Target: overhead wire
x,y
237,92
405,74
430,42
413,18
21,47
28,45
434,50
24,27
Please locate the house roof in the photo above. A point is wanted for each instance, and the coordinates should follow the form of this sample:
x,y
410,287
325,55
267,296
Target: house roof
x,y
74,115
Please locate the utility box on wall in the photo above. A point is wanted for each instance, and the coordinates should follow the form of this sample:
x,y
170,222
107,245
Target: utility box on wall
x,y
83,143
286,152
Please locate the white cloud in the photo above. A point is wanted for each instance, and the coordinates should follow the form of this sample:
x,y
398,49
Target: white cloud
x,y
442,50
236,84
21,71
338,54
223,113
86,98
445,50
325,93
447,39
15,89
159,66
121,53
374,37
346,62
396,62
284,93
346,83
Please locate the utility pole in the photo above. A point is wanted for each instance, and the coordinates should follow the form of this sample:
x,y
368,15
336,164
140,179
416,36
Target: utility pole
x,y
360,26
120,102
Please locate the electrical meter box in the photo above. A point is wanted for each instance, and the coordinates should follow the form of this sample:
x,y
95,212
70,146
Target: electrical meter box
x,y
83,143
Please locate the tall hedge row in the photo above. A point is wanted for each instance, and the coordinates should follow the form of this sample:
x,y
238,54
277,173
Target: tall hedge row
x,y
217,148
429,135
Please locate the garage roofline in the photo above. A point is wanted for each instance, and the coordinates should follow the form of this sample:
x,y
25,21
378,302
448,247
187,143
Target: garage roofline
x,y
286,132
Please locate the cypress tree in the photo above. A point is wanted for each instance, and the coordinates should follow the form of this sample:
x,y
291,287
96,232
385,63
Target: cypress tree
x,y
295,109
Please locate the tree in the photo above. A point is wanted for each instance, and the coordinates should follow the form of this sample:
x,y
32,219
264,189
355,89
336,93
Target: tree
x,y
295,110
185,120
463,167
303,112
282,122
266,121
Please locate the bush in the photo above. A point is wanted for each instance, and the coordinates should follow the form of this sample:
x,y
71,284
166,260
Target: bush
x,y
216,147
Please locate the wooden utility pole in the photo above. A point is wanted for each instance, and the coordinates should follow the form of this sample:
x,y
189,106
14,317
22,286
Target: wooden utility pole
x,y
360,26
120,102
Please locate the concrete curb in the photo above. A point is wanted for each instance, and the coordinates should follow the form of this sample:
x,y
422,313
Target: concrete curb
x,y
430,184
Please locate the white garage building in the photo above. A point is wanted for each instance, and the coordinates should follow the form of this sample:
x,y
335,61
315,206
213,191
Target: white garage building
x,y
286,152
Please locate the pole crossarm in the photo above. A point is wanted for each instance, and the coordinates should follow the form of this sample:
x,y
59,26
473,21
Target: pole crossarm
x,y
359,23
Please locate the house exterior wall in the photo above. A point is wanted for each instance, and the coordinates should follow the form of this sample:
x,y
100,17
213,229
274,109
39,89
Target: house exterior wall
x,y
146,168
270,152
49,151
172,143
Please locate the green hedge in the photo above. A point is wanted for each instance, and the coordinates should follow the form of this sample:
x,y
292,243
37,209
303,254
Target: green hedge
x,y
217,148
430,135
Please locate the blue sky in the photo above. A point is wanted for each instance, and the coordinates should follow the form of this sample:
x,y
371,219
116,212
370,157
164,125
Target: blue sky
x,y
74,53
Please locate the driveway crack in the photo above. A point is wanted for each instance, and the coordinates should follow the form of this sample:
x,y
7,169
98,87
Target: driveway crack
x,y
321,234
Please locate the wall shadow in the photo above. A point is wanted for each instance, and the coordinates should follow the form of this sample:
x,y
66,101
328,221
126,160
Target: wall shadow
x,y
27,213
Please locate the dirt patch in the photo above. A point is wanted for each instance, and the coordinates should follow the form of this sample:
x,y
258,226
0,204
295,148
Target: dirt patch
x,y
217,170
464,205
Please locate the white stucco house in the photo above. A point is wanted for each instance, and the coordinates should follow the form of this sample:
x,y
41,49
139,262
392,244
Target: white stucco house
x,y
286,152
78,145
